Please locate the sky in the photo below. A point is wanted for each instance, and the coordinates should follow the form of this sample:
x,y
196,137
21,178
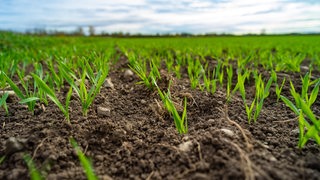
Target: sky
x,y
163,16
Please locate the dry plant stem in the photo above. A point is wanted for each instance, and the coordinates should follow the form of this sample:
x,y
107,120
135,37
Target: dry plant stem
x,y
150,175
188,95
225,112
40,145
246,162
199,150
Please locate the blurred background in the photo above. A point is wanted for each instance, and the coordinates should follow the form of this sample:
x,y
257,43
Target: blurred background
x,y
161,16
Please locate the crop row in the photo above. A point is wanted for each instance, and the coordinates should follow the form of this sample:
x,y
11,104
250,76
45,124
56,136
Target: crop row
x,y
40,70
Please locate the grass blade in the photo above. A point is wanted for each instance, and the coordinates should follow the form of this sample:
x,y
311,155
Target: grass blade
x,y
314,93
85,163
50,93
29,99
34,173
3,102
14,87
2,159
290,104
307,111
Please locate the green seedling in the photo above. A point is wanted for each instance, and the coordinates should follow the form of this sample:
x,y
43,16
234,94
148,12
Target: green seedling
x,y
206,82
169,62
312,130
229,82
195,70
288,62
219,72
213,86
40,94
86,97
240,86
242,63
28,98
56,78
2,159
262,92
3,102
51,94
85,162
179,121
305,111
33,172
141,70
306,83
279,89
302,108
177,67
176,70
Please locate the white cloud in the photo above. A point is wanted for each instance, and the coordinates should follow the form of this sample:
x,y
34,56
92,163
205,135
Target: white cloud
x,y
152,16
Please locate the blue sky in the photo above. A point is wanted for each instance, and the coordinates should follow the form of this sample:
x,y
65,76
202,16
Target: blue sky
x,y
163,16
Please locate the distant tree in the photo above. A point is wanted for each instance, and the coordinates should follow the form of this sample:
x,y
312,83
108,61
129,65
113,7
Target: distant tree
x,y
40,31
91,31
263,32
79,31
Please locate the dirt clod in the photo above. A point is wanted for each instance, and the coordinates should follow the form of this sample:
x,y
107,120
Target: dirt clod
x,y
13,145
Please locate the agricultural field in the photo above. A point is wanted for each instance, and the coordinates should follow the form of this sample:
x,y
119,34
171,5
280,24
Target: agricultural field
x,y
159,108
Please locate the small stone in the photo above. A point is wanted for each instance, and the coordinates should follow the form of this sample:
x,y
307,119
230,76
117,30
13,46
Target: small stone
x,y
186,138
143,101
272,158
103,111
227,132
305,68
53,157
203,166
128,127
211,121
127,73
105,177
186,146
10,93
99,157
295,131
108,83
200,176
13,145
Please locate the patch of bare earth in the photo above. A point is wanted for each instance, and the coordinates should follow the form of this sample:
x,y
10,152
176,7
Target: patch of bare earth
x,y
133,137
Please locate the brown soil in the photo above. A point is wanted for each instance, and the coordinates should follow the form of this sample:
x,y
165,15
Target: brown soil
x,y
138,140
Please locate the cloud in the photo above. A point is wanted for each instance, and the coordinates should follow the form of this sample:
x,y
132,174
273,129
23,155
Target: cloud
x,y
161,16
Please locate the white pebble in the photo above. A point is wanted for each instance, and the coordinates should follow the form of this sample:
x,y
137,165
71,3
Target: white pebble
x,y
186,146
103,111
227,132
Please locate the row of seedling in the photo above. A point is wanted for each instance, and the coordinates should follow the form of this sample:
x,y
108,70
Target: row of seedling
x,y
201,76
149,74
84,79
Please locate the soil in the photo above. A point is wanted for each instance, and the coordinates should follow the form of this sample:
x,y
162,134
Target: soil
x,y
137,139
